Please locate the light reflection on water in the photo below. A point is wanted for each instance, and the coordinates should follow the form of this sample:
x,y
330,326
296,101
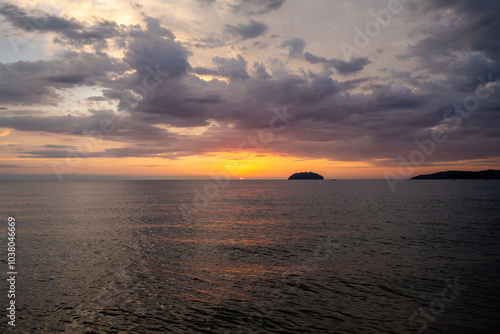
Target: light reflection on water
x,y
263,256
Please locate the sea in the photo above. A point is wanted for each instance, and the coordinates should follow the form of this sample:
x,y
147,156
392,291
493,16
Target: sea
x,y
243,256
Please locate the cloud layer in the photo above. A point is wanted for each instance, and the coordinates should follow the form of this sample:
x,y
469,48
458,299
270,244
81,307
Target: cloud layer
x,y
159,87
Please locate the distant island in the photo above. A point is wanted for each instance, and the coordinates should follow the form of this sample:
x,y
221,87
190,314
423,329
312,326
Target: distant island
x,y
306,176
489,174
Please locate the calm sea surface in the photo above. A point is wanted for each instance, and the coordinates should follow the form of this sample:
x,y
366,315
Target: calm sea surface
x,y
253,256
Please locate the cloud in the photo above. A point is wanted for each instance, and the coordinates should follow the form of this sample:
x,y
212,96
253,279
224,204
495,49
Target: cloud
x,y
328,123
295,47
122,152
343,67
67,78
154,26
36,83
257,7
57,146
150,51
71,30
338,116
260,71
232,68
247,31
209,42
248,7
17,87
97,98
467,25
42,22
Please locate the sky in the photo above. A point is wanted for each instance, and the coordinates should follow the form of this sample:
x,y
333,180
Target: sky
x,y
249,88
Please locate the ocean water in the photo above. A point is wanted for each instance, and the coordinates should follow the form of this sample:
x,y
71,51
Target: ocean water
x,y
254,256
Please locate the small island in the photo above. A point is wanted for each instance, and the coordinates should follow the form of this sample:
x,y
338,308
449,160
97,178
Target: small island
x,y
489,174
306,176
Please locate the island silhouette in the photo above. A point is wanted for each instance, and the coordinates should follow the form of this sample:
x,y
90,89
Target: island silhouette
x,y
306,176
489,174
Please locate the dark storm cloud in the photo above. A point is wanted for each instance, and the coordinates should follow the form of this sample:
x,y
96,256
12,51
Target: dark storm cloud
x,y
232,68
55,124
327,123
146,52
154,26
191,102
356,119
295,47
353,66
260,71
122,152
209,42
462,75
257,7
468,25
386,98
97,98
460,5
47,154
250,7
121,129
461,43
36,82
70,29
246,31
184,102
67,78
39,21
19,88
57,146
205,71
355,83
343,67
149,50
